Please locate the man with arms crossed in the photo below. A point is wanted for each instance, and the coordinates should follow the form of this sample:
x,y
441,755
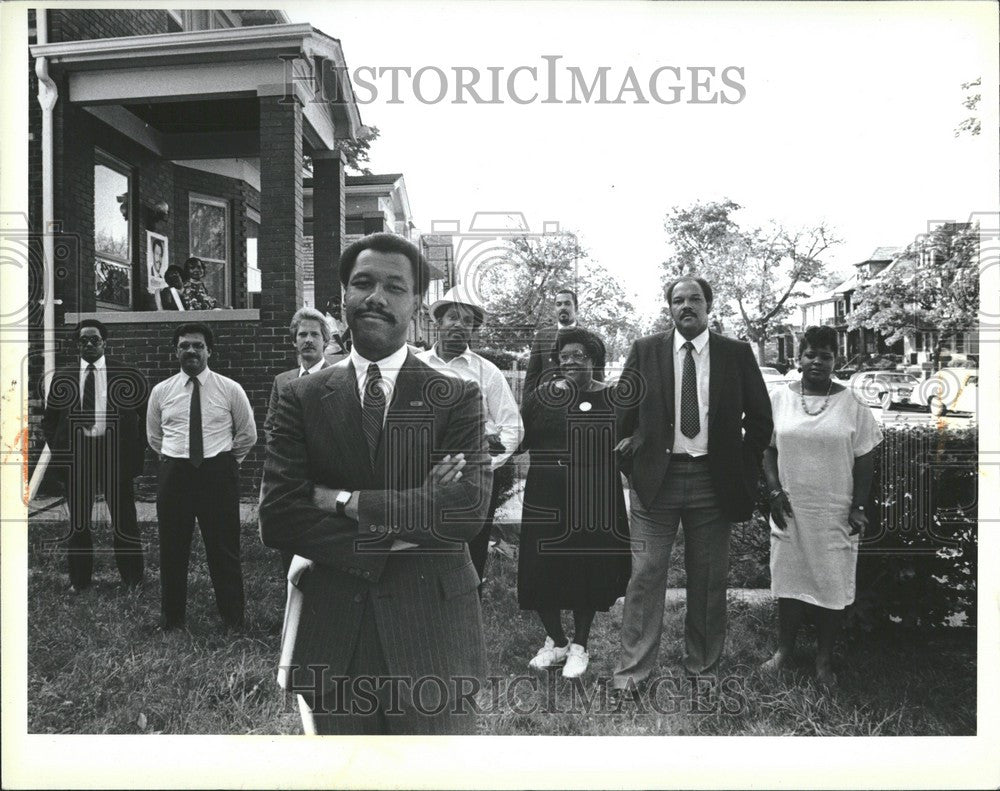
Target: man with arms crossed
x,y
377,472
693,436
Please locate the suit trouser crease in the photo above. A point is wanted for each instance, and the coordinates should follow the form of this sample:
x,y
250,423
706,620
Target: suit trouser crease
x,y
95,469
210,494
686,497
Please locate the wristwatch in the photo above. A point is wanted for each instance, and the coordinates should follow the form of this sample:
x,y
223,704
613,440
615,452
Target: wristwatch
x,y
858,508
343,498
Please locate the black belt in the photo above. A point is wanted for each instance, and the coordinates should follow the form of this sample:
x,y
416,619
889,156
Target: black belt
x,y
685,457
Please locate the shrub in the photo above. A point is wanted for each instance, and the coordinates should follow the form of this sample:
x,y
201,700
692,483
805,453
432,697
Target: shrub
x,y
917,565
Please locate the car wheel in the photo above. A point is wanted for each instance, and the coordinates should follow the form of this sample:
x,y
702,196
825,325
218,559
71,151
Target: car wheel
x,y
937,406
884,400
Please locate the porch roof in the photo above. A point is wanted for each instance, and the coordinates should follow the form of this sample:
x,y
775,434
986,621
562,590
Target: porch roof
x,y
117,79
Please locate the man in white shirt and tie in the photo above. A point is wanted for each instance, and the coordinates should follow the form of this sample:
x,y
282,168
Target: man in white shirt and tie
x,y
201,425
93,427
457,316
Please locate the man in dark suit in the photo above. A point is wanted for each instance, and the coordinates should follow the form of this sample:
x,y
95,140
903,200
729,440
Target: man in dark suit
x,y
541,369
93,426
310,335
377,474
695,421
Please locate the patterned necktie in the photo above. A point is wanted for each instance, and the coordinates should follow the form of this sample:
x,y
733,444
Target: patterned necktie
x,y
690,424
196,448
373,410
90,397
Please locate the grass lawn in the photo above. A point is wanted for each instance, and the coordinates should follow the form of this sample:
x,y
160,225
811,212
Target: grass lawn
x,y
97,664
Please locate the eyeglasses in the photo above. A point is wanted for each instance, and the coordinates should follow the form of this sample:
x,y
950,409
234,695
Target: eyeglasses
x,y
576,357
90,340
185,346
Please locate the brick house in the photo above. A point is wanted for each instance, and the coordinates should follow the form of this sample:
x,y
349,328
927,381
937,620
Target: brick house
x,y
188,126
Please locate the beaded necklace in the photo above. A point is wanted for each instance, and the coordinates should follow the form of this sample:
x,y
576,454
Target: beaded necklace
x,y
802,398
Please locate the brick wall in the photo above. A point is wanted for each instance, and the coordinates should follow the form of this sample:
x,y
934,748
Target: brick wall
x,y
83,25
240,353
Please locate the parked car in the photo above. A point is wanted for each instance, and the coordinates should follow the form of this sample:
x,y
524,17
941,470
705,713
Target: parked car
x,y
952,390
772,376
884,388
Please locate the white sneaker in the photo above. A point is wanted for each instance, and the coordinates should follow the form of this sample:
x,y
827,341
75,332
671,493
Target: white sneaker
x,y
549,655
576,661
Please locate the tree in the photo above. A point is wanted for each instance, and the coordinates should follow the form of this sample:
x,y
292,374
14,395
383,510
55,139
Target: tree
x,y
933,286
520,282
972,124
356,150
754,273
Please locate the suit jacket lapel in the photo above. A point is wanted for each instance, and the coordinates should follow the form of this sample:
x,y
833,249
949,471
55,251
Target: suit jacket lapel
x,y
665,355
342,407
716,373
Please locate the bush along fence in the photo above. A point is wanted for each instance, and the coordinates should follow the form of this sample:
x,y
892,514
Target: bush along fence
x,y
917,565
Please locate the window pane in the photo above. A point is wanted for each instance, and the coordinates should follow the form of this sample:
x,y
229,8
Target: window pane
x,y
208,230
215,281
111,208
113,284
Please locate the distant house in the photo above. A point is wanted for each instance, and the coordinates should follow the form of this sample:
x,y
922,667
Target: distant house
x,y
376,203
859,345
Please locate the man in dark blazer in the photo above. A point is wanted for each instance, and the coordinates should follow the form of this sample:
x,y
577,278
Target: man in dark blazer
x,y
93,426
541,369
310,335
695,419
377,475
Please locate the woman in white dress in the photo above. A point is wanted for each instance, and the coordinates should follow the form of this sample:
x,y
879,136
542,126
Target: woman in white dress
x,y
819,473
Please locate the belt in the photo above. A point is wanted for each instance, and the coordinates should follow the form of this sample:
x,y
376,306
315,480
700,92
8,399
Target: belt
x,y
687,458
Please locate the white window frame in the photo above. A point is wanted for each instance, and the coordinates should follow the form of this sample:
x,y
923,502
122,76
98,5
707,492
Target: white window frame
x,y
227,279
102,157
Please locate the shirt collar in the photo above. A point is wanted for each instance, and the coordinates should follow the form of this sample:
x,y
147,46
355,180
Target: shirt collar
x,y
312,370
202,377
99,364
468,355
387,366
565,326
698,341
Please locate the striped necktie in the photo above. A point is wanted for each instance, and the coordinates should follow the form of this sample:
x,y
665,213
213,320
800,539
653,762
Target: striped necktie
x,y
373,410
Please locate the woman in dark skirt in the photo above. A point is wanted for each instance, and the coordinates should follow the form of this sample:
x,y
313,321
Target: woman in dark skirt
x,y
574,546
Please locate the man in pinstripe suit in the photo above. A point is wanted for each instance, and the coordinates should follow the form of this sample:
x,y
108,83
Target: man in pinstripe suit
x,y
377,475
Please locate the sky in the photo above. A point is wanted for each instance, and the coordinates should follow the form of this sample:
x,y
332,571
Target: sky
x,y
847,116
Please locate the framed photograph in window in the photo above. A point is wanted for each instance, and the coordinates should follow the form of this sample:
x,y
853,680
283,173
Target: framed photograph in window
x,y
157,261
113,284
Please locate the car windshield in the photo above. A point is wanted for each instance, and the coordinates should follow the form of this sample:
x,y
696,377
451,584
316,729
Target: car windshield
x,y
770,371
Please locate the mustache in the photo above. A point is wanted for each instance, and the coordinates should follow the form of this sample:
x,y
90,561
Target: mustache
x,y
375,312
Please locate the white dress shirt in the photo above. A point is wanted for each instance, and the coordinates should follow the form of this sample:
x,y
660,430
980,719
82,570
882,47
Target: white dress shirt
x,y
388,367
303,370
499,406
226,416
100,396
698,444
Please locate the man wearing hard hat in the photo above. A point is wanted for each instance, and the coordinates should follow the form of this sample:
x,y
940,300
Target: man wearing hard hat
x,y
457,315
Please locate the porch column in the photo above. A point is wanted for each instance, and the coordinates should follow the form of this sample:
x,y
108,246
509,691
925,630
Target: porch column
x,y
280,245
329,224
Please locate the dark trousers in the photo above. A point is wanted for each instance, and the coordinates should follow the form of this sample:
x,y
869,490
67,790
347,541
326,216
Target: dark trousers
x,y
369,702
209,493
479,547
95,468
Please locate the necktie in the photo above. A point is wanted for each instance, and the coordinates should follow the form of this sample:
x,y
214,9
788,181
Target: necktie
x,y
690,424
196,448
90,397
373,410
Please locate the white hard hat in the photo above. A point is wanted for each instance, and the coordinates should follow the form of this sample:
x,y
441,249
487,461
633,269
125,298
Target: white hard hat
x,y
459,295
